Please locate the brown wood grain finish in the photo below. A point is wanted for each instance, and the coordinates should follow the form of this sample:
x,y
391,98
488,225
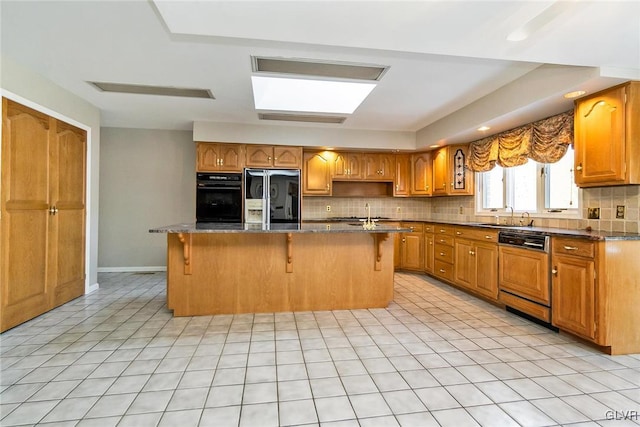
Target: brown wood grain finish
x,y
536,310
402,186
330,272
316,174
43,213
525,273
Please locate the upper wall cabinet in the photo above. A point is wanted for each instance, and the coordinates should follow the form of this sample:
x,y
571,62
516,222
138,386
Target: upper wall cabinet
x,y
402,185
450,175
421,174
347,166
316,174
607,137
215,157
378,166
268,156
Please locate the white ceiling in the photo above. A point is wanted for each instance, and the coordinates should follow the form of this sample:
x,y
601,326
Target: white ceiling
x,y
451,67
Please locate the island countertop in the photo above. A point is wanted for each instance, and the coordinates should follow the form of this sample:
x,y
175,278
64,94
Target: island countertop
x,y
305,227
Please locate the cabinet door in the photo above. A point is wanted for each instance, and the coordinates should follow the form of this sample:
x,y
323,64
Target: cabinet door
x,y
421,174
464,271
25,282
428,253
231,157
387,166
440,167
259,156
401,186
207,157
600,138
340,167
460,178
486,259
316,174
68,156
573,284
287,157
412,251
354,160
371,166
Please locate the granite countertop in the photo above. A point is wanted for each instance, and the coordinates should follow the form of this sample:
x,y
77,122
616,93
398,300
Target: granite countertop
x,y
559,232
305,227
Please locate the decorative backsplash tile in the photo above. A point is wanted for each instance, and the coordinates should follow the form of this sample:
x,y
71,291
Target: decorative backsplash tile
x,y
463,209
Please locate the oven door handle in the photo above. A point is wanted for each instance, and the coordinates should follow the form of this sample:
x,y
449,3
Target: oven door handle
x,y
535,245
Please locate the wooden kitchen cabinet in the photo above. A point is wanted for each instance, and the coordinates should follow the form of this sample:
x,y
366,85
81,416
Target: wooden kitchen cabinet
x,y
429,249
412,248
443,251
607,137
476,261
216,157
347,166
316,173
421,174
43,213
450,175
378,166
401,186
269,156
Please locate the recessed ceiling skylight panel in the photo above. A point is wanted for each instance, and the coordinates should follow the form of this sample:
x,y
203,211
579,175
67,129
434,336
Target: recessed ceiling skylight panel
x,y
305,95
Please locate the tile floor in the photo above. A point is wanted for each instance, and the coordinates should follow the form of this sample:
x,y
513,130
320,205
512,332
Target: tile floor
x,y
436,356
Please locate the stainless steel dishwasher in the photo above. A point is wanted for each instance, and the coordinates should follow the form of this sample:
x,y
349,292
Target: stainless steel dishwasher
x,y
524,273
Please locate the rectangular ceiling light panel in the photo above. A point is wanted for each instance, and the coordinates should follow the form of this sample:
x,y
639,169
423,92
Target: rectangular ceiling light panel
x,y
153,90
318,69
309,96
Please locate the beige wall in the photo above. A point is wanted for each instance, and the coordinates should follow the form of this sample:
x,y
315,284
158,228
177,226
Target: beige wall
x,y
147,179
31,89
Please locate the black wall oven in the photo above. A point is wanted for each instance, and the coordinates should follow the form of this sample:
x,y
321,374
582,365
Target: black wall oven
x,y
219,197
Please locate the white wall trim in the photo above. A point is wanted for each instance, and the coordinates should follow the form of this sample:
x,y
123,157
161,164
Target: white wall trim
x,y
131,269
91,288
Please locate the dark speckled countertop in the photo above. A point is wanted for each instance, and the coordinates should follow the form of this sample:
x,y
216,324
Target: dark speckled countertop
x,y
559,232
305,227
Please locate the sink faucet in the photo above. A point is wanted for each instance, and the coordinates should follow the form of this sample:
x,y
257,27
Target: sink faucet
x,y
522,217
368,224
511,207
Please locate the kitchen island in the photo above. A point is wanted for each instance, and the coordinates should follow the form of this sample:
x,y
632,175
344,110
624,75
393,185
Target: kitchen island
x,y
251,268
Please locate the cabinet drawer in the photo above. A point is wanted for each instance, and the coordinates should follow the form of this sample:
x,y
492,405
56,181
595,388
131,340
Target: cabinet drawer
x,y
443,240
443,253
429,228
446,230
416,227
483,235
444,270
536,310
577,247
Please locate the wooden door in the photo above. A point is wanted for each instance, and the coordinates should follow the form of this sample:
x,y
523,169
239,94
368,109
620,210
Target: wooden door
x,y
259,156
402,172
600,138
68,221
387,166
464,271
26,283
287,157
573,287
316,174
440,167
207,159
412,251
231,157
340,165
428,252
421,175
486,257
371,166
354,160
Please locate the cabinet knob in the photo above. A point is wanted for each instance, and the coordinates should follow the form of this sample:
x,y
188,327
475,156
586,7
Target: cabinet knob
x,y
404,240
579,167
327,186
426,187
458,233
441,253
444,185
554,271
472,253
269,158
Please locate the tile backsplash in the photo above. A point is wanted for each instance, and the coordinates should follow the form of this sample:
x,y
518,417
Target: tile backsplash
x,y
462,208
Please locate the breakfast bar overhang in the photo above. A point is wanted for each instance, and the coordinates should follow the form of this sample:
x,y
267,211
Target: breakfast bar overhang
x,y
248,268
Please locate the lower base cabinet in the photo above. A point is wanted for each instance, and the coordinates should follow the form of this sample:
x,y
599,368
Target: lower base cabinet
x,y
412,247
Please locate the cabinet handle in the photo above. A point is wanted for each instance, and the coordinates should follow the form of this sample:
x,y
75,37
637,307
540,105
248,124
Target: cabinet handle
x,y
442,271
554,271
579,167
327,186
458,233
426,187
570,248
52,210
442,230
444,185
452,185
472,253
441,253
404,240
487,237
442,241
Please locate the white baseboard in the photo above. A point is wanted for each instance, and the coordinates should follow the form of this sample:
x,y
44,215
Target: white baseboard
x,y
131,269
92,288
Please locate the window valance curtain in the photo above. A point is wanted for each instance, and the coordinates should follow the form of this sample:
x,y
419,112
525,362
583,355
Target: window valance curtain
x,y
544,141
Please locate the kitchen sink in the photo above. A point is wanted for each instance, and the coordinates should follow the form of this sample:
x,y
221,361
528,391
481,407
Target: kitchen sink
x,y
493,224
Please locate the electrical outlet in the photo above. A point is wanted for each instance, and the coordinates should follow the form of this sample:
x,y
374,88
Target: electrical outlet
x,y
593,213
398,209
620,211
460,210
328,208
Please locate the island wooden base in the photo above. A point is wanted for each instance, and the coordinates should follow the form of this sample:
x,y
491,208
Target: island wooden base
x,y
224,273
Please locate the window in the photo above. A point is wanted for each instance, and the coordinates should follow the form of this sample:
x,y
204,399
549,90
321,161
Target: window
x,y
533,187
